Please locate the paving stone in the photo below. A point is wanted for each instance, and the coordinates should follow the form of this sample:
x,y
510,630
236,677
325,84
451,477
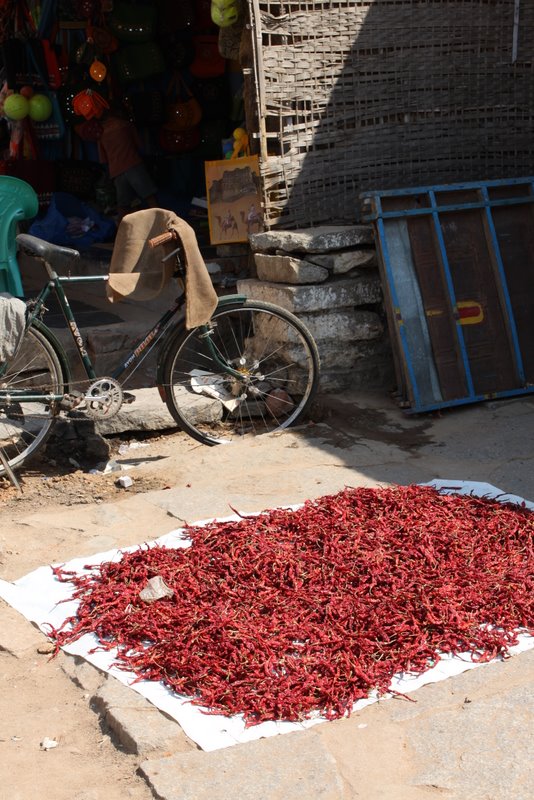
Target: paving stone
x,y
321,239
295,765
339,263
286,269
82,673
17,635
140,727
502,766
343,293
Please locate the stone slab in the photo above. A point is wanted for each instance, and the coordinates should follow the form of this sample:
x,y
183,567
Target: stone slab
x,y
286,269
331,328
347,326
296,765
140,727
17,635
321,239
343,293
340,263
353,354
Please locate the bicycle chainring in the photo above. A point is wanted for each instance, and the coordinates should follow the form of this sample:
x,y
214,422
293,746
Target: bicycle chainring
x,y
103,398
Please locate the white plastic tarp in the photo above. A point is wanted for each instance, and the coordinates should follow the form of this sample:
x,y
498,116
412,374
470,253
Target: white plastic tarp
x,y
45,601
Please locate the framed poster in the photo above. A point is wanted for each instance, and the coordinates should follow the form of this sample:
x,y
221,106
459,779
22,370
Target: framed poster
x,y
234,199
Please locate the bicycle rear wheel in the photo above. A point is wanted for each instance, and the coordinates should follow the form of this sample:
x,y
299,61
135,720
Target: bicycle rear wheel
x,y
276,366
25,424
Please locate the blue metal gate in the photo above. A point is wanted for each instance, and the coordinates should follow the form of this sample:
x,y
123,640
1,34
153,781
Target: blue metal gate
x,y
457,265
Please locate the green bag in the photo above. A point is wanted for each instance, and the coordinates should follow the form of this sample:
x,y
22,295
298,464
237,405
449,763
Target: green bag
x,y
133,23
135,62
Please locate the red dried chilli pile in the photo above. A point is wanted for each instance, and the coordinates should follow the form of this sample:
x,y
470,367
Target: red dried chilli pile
x,y
290,612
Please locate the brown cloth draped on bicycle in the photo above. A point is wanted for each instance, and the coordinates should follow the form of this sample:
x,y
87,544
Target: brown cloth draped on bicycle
x,y
138,271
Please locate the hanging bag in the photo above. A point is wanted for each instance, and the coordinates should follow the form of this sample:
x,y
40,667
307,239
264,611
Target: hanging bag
x,y
53,127
183,110
136,62
181,132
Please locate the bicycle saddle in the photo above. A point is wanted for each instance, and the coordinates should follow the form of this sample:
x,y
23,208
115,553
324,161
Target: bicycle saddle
x,y
53,254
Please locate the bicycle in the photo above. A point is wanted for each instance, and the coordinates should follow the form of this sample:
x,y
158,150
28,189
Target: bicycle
x,y
252,369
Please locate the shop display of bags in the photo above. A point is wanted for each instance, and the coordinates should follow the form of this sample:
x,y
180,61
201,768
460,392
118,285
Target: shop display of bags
x,y
142,46
135,62
133,23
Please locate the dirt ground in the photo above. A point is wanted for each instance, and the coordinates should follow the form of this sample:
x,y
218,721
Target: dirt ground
x,y
37,698
64,511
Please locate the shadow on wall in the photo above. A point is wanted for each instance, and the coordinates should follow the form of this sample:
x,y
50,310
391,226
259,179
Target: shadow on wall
x,y
389,94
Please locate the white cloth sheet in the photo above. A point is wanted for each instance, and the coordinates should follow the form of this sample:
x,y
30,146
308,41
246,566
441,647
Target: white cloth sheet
x,y
12,324
44,600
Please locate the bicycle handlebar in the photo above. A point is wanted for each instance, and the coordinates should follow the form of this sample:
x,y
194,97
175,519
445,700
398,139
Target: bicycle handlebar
x,y
168,236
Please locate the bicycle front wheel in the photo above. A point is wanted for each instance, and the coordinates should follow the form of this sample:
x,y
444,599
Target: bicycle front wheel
x,y
253,369
26,424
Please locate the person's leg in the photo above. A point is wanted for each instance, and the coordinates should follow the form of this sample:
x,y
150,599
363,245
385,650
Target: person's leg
x,y
143,185
125,195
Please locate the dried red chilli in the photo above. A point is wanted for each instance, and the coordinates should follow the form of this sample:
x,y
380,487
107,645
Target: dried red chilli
x,y
290,612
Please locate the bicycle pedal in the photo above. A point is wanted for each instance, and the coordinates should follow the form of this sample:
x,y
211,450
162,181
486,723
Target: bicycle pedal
x,y
128,398
72,400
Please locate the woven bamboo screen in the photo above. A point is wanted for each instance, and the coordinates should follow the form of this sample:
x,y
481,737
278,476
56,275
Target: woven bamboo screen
x,y
359,94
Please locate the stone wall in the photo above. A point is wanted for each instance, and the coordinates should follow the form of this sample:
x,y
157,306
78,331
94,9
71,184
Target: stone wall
x,y
328,277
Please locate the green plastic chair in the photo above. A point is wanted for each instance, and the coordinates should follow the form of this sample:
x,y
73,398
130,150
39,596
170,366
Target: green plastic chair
x,y
17,201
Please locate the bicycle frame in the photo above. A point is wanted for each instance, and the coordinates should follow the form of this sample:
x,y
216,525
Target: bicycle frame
x,y
55,285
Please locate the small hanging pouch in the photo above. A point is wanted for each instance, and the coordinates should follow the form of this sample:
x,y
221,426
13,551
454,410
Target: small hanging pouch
x,y
181,114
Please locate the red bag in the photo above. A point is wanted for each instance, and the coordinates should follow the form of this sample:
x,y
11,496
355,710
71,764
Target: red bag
x,y
208,62
89,104
103,40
